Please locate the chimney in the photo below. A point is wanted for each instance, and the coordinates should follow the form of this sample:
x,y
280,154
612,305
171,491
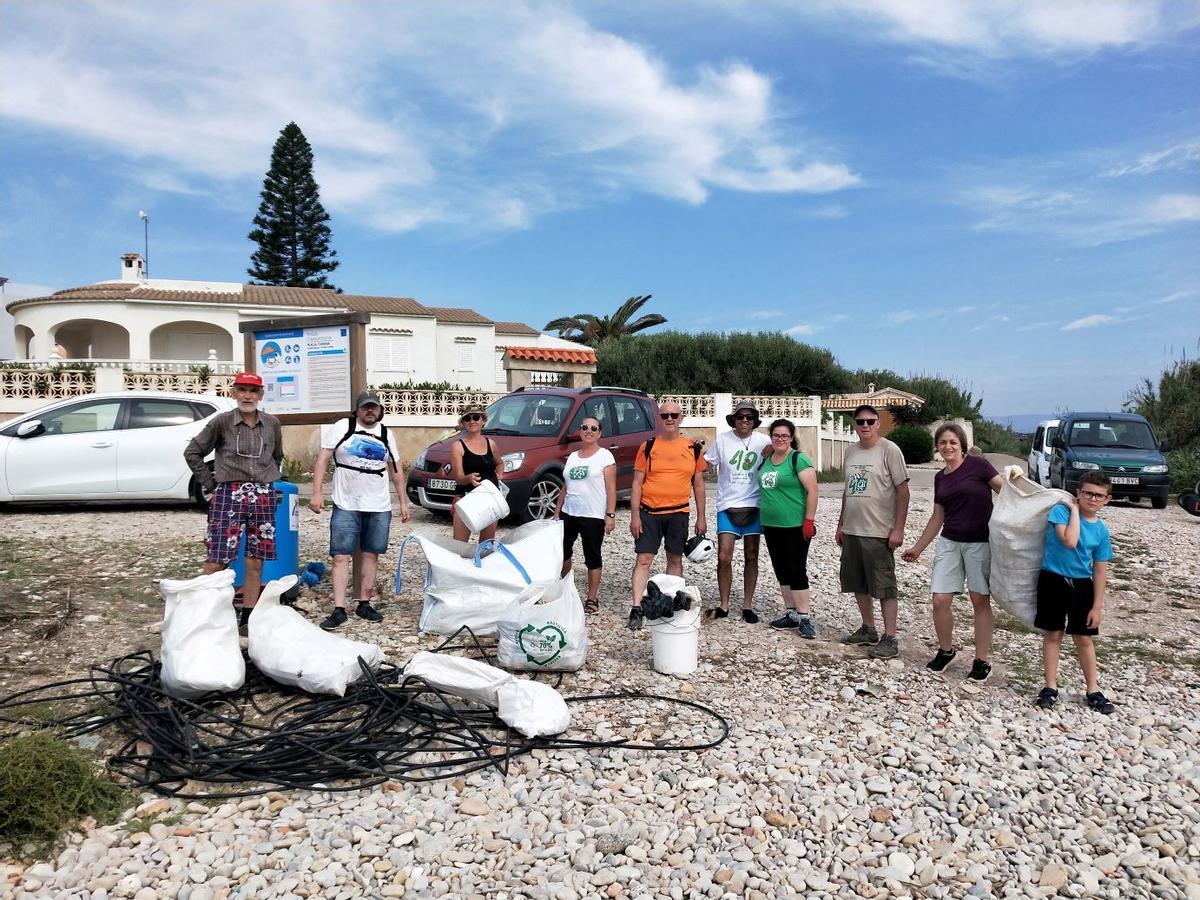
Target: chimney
x,y
133,267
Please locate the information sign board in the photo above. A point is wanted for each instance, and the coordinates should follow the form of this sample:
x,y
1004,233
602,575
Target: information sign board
x,y
304,369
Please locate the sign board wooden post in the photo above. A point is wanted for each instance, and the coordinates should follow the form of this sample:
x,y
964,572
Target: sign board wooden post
x,y
312,369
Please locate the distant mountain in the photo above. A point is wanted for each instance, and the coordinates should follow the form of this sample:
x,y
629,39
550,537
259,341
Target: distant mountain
x,y
1023,423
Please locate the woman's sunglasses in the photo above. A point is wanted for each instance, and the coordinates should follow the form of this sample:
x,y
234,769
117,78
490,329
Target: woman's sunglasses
x,y
473,417
589,427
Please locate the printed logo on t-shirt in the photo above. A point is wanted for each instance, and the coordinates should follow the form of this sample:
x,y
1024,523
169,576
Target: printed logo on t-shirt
x,y
858,482
744,460
578,473
768,479
365,448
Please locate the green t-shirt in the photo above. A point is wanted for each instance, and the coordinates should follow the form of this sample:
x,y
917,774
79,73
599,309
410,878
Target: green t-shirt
x,y
782,499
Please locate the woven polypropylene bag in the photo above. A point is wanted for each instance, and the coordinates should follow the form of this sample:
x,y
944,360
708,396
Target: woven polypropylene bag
x,y
1017,534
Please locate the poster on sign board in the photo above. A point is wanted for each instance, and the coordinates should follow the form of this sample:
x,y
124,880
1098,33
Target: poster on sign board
x,y
304,370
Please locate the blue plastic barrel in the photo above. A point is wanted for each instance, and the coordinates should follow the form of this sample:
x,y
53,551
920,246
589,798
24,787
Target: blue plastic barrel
x,y
287,538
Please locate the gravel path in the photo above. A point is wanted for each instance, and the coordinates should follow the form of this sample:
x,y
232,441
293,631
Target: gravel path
x,y
842,776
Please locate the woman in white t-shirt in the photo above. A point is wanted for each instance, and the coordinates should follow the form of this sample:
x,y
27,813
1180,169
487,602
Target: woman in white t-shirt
x,y
587,505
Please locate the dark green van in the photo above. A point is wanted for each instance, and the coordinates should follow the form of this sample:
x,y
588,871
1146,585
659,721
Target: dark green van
x,y
1121,445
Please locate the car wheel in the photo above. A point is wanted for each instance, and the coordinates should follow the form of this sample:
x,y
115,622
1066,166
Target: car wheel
x,y
1158,502
201,495
543,497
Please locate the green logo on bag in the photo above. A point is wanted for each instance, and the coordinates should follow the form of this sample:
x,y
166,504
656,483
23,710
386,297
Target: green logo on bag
x,y
541,646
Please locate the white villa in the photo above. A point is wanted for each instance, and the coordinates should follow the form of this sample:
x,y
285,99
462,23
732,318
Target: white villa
x,y
167,325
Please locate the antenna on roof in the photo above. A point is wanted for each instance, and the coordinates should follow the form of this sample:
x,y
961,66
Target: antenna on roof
x,y
145,217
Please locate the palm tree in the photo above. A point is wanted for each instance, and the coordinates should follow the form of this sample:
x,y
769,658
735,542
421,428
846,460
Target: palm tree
x,y
586,328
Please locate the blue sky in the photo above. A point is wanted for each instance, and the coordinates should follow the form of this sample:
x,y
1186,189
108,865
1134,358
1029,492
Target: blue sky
x,y
1005,193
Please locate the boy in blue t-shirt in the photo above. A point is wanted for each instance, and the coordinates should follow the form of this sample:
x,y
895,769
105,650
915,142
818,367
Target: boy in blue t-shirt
x,y
1071,585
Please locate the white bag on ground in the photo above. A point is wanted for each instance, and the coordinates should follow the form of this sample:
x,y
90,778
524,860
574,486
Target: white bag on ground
x,y
292,650
472,585
544,630
533,708
200,647
470,679
1017,534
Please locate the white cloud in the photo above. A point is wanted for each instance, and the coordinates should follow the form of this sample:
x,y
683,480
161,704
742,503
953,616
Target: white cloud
x,y
1177,157
477,115
801,330
1093,321
1175,297
1175,208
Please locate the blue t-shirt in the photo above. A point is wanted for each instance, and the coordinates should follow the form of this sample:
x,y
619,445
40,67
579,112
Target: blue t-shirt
x,y
1094,545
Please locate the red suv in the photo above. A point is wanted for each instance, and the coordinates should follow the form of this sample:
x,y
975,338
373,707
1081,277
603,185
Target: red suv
x,y
534,431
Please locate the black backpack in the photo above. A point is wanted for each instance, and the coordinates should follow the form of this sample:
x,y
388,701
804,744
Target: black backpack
x,y
352,430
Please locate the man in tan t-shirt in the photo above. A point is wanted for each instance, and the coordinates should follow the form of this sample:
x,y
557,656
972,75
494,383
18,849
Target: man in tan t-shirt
x,y
870,528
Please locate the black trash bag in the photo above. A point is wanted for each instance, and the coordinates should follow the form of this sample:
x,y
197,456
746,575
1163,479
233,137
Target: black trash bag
x,y
1191,502
657,605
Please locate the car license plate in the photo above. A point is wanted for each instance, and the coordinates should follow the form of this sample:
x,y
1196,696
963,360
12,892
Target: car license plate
x,y
1123,479
449,484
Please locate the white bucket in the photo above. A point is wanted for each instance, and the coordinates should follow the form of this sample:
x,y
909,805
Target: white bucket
x,y
676,642
482,507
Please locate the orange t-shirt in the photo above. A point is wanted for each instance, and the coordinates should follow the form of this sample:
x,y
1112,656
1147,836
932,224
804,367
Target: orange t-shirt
x,y
668,484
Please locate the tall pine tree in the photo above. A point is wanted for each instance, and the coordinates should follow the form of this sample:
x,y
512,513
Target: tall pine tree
x,y
290,228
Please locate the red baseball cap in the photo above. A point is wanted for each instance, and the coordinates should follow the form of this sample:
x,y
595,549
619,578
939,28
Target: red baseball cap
x,y
248,378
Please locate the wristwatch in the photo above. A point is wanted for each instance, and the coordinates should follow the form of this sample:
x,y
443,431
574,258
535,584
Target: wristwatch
x,y
610,515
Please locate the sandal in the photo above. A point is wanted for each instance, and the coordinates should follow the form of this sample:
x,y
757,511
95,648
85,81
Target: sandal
x,y
591,605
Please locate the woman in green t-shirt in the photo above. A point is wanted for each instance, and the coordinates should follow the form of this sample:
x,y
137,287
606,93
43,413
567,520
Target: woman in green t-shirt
x,y
788,509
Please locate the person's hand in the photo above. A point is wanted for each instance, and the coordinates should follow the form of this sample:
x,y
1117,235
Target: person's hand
x,y
405,514
609,525
635,526
474,478
1094,616
838,535
316,502
701,526
895,539
809,530
912,554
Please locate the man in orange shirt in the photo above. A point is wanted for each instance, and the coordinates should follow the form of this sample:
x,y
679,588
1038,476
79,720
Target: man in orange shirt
x,y
667,470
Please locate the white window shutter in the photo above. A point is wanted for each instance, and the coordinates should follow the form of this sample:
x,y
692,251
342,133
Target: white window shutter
x,y
466,357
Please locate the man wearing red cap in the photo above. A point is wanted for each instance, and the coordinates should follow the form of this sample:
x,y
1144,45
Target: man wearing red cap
x,y
249,450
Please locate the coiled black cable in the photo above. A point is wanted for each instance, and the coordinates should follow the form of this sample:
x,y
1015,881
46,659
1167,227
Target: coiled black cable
x,y
387,728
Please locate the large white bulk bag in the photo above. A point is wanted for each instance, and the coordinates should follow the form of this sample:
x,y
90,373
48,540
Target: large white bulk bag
x,y
200,647
289,649
544,630
1017,534
470,679
473,585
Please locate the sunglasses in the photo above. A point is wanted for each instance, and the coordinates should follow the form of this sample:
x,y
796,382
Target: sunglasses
x,y
473,417
667,416
746,418
1093,496
589,427
865,422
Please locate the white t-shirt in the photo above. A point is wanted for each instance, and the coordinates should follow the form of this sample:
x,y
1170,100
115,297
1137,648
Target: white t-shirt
x,y
584,484
737,467
360,491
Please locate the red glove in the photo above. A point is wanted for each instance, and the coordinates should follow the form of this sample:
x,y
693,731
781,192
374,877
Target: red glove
x,y
809,529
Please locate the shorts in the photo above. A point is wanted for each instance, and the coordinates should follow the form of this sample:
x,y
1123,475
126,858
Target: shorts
x,y
868,567
1063,601
591,530
724,526
351,530
954,561
238,506
789,556
659,527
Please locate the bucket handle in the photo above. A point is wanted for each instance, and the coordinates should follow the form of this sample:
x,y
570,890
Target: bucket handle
x,y
496,545
400,562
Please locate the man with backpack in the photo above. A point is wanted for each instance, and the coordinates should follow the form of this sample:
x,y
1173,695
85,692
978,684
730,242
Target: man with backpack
x,y
668,468
364,458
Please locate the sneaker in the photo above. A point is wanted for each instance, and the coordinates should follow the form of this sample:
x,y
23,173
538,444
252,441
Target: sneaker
x,y
865,635
887,648
1100,703
719,613
980,670
749,616
1047,698
789,619
941,660
806,628
635,618
365,610
334,619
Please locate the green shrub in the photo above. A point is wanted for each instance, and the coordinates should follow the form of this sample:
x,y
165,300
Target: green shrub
x,y
46,786
914,442
991,437
1185,470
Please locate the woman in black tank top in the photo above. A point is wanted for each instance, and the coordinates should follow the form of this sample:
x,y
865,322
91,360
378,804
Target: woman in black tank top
x,y
473,460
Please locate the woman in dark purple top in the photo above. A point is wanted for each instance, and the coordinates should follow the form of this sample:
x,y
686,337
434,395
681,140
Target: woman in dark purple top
x,y
962,506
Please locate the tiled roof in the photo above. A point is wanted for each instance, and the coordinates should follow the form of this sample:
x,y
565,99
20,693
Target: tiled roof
x,y
459,315
281,295
395,306
553,354
515,328
888,396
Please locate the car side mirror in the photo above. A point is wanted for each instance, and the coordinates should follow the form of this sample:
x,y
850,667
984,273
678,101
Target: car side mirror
x,y
30,429
1057,442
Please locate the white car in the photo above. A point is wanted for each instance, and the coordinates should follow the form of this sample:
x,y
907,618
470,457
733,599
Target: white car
x,y
1039,456
116,446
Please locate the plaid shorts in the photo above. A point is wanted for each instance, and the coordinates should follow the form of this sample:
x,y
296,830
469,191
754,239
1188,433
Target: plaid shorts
x,y
236,505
